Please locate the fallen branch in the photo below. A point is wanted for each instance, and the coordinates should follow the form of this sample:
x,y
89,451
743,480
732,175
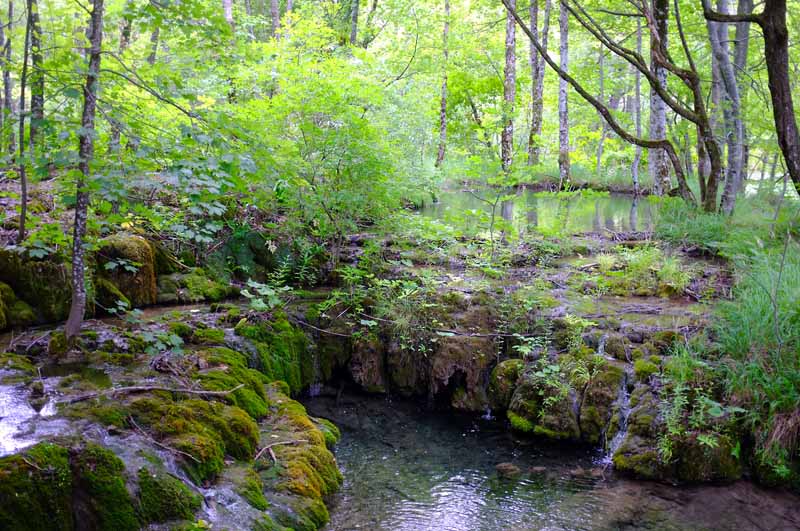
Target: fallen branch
x,y
269,448
320,330
146,388
162,445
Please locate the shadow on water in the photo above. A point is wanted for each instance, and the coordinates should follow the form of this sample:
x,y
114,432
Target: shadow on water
x,y
546,213
408,469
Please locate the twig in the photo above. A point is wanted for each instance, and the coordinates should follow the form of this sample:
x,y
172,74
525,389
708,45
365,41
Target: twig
x,y
320,330
162,445
34,465
269,448
146,388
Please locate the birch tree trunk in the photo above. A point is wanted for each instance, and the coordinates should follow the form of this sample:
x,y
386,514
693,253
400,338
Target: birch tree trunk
x,y
718,36
509,92
85,155
8,87
603,125
563,108
354,22
227,11
537,80
275,13
37,75
637,112
657,161
443,102
740,48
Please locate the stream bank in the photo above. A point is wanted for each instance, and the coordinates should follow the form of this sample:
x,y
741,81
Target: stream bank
x,y
569,341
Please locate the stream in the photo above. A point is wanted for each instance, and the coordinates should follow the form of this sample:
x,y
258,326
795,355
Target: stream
x,y
408,469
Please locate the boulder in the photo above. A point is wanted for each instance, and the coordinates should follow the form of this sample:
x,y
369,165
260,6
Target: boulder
x,y
128,262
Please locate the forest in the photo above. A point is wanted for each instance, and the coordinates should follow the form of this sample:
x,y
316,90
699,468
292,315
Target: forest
x,y
445,265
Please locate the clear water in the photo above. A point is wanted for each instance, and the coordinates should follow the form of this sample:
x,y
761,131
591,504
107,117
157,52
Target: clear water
x,y
546,213
409,470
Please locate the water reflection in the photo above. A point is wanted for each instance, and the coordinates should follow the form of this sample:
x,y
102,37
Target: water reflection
x,y
528,212
407,469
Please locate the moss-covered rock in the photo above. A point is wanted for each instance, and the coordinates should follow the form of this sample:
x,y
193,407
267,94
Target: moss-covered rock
x,y
108,296
598,400
128,262
366,365
503,381
208,336
227,369
461,363
643,369
163,497
204,431
194,286
616,347
43,284
283,352
305,468
100,498
713,460
548,409
36,489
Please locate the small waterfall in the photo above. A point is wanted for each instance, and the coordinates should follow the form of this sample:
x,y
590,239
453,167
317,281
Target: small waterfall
x,y
488,414
601,345
622,407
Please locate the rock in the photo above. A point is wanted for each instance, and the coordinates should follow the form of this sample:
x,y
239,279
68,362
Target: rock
x,y
128,262
503,381
538,470
598,401
540,407
43,284
194,286
616,347
366,364
507,470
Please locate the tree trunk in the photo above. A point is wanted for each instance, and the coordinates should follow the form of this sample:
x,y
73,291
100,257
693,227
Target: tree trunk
x,y
538,68
740,47
124,42
227,11
718,35
8,96
275,12
85,155
354,22
21,169
657,162
509,92
37,77
599,155
637,111
563,108
151,59
776,50
443,102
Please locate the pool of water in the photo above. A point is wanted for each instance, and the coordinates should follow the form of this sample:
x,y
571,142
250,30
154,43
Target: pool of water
x,y
547,213
407,469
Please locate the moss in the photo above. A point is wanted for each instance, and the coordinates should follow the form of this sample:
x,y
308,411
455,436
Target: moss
x,y
98,474
180,329
266,523
125,249
204,430
57,345
520,423
664,340
615,347
36,489
208,336
228,370
163,497
598,401
282,351
307,469
503,381
644,369
696,461
250,487
108,295
15,362
201,287
329,431
43,284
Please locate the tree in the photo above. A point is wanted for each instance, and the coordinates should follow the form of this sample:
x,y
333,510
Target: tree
x,y
657,161
509,92
354,22
537,80
664,144
443,100
772,21
85,156
37,77
8,98
563,109
637,112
